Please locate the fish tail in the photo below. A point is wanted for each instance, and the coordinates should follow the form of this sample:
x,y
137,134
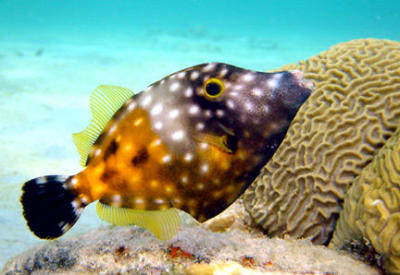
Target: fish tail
x,y
50,206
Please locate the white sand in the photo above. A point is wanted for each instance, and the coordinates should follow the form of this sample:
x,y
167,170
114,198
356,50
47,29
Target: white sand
x,y
44,99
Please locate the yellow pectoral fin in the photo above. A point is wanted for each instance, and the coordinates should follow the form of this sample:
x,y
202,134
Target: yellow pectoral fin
x,y
104,102
164,224
218,141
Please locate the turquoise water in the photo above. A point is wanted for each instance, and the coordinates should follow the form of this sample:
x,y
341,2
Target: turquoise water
x,y
54,53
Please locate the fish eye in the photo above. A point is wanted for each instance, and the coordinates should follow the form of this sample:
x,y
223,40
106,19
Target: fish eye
x,y
213,87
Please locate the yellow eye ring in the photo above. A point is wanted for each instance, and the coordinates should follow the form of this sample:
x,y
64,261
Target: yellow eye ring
x,y
213,87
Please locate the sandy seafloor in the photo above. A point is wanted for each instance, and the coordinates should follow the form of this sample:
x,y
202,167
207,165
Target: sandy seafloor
x,y
44,98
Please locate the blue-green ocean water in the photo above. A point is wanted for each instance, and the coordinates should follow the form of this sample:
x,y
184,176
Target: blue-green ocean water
x,y
54,53
271,23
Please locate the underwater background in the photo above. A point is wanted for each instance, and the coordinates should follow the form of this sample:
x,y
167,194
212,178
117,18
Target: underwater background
x,y
54,53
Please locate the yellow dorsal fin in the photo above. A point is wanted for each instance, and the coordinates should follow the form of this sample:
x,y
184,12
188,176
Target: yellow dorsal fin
x,y
164,224
104,102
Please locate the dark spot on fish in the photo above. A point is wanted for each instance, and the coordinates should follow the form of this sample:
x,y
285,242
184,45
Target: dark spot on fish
x,y
141,157
111,149
88,160
107,175
100,139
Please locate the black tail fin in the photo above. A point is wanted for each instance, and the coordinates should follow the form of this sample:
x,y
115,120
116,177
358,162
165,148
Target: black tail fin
x,y
49,207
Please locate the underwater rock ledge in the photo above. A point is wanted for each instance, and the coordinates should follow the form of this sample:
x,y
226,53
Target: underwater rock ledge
x,y
132,250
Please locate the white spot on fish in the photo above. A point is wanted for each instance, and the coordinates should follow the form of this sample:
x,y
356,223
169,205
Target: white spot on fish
x,y
204,168
139,201
177,201
74,181
188,157
266,108
155,143
174,86
116,199
249,106
97,152
238,87
75,204
188,92
257,92
146,101
159,201
200,126
113,128
220,113
60,178
178,135
156,109
248,77
41,180
273,83
194,75
194,109
131,106
209,67
223,72
184,179
181,75
84,200
234,94
208,113
200,186
203,146
173,114
138,121
158,125
230,104
166,158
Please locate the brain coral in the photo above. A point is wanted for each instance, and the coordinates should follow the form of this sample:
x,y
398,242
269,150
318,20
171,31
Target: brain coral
x,y
372,207
351,113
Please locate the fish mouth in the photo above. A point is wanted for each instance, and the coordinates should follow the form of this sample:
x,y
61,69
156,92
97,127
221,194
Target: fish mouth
x,y
299,76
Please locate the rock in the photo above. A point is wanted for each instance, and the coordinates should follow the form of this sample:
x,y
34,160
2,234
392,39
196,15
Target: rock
x,y
132,250
235,217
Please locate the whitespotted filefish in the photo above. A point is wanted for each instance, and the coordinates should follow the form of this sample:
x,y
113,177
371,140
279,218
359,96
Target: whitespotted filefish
x,y
192,141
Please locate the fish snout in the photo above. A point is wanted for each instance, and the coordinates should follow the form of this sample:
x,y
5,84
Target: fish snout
x,y
299,76
293,91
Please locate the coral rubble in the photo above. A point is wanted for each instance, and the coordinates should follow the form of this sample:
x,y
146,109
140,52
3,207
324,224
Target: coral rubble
x,y
132,250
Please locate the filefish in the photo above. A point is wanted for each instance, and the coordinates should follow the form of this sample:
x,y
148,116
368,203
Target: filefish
x,y
193,141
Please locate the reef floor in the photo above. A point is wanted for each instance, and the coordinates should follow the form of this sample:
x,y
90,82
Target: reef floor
x,y
195,250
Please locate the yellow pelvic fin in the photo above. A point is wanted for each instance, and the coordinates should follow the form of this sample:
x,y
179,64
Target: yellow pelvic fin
x,y
104,102
164,224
